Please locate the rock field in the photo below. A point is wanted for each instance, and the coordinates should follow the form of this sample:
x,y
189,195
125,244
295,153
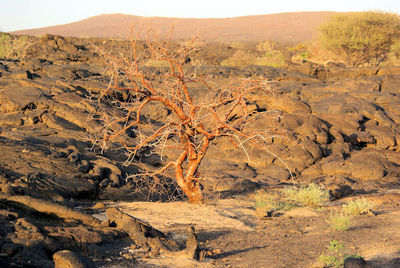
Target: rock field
x,y
337,127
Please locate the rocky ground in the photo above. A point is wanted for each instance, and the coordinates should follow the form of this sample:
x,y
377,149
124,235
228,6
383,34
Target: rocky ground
x,y
336,127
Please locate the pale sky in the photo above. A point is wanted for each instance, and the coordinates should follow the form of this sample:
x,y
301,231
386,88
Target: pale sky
x,y
27,14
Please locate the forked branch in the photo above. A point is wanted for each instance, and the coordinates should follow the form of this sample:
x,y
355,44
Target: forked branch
x,y
192,121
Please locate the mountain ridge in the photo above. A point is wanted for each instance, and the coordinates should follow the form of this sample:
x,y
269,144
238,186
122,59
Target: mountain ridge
x,y
290,27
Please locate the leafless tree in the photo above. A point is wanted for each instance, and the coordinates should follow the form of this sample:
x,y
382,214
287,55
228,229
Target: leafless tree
x,y
197,110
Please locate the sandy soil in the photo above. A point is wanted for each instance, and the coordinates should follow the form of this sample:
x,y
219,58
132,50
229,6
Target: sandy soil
x,y
233,236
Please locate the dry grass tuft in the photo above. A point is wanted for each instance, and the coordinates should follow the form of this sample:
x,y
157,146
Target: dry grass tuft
x,y
358,207
311,196
264,203
339,221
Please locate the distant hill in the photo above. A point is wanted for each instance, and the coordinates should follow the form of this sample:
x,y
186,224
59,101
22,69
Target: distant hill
x,y
284,27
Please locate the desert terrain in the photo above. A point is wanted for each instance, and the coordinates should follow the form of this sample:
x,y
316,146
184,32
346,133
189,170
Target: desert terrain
x,y
292,27
67,203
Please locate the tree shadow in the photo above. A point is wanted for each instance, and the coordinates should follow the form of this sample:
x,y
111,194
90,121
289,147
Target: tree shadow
x,y
234,252
232,213
211,235
390,261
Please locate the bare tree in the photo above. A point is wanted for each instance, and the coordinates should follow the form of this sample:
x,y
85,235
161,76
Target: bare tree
x,y
197,111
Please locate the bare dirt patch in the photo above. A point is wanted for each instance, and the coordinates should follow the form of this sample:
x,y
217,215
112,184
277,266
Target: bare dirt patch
x,y
234,236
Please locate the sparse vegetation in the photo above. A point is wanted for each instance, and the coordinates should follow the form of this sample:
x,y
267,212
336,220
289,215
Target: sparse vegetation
x,y
339,221
310,196
267,47
394,55
274,59
265,203
362,38
265,53
240,59
5,45
321,55
299,52
336,255
271,55
358,207
12,46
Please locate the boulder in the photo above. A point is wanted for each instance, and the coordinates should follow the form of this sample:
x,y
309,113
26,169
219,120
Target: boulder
x,y
69,259
356,263
16,99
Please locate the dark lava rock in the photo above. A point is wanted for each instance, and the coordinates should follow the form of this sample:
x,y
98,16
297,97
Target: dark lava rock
x,y
356,263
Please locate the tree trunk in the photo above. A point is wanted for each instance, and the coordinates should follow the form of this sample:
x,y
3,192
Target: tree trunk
x,y
191,188
193,192
189,184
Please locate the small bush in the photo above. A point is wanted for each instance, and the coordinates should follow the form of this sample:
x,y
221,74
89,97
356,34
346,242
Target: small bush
x,y
361,38
267,46
319,54
275,59
5,45
271,55
305,55
264,203
310,196
358,207
240,59
336,255
299,53
12,46
394,55
339,221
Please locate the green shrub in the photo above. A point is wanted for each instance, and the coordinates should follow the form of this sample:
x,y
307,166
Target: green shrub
x,y
336,255
339,221
358,207
305,55
362,38
310,196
